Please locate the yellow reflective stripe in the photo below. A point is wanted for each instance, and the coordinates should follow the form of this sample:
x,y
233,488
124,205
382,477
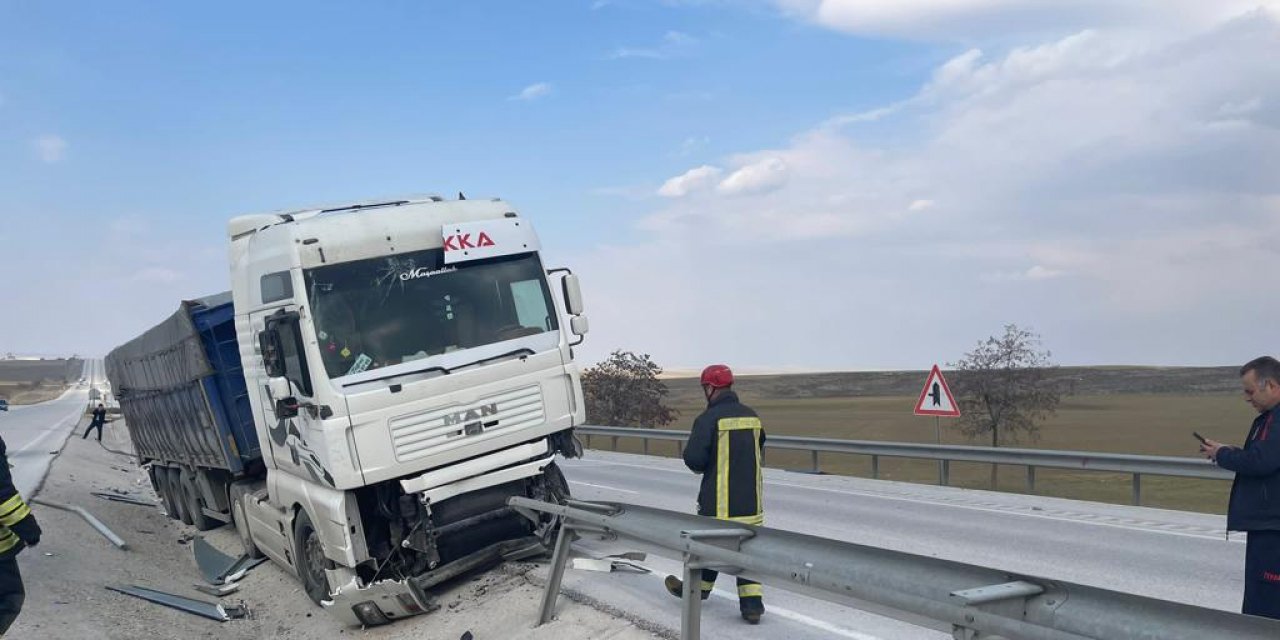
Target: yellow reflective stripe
x,y
750,591
8,540
12,518
722,475
707,586
737,424
757,519
11,504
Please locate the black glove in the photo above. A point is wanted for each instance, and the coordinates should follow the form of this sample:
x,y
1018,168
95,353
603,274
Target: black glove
x,y
27,529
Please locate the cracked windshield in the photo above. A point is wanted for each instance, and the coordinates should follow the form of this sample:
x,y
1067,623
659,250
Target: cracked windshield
x,y
385,311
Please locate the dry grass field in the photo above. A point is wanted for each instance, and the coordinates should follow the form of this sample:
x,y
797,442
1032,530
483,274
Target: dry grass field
x,y
1107,420
32,381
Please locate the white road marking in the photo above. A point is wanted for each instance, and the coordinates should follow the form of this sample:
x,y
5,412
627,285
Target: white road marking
x,y
940,503
602,486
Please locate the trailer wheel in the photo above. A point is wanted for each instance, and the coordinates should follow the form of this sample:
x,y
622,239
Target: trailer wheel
x,y
160,477
309,559
239,497
175,492
191,497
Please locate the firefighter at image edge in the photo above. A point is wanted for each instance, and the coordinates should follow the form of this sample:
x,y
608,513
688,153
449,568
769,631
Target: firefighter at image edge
x,y
725,446
18,529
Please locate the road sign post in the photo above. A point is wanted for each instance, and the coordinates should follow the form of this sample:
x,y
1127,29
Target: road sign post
x,y
936,400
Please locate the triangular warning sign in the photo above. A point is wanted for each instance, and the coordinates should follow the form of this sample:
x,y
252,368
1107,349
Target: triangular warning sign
x,y
935,398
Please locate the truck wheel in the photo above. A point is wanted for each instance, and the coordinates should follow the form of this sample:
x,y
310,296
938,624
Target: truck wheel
x,y
309,559
160,477
191,496
175,492
239,497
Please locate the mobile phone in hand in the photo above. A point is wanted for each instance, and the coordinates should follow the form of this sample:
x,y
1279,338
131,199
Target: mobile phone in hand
x,y
1200,438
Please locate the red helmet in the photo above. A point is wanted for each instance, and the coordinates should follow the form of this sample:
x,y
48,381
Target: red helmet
x,y
718,376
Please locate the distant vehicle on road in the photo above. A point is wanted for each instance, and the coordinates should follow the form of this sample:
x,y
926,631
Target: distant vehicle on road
x,y
4,404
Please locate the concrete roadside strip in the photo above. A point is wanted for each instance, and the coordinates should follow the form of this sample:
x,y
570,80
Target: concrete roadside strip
x,y
67,575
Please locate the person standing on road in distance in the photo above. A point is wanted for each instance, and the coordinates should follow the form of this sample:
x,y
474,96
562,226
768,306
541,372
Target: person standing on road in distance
x,y
1255,494
18,529
99,418
724,446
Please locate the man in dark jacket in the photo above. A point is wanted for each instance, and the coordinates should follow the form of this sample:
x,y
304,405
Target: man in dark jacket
x,y
18,529
724,446
99,418
1255,494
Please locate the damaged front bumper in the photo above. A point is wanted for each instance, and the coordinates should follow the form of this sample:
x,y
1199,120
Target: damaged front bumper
x,y
383,601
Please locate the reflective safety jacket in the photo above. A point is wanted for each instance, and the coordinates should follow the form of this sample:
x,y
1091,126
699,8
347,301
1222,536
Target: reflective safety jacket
x,y
18,527
724,446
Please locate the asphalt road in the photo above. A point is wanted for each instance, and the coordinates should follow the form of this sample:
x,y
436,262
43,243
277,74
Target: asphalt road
x,y
32,433
1164,554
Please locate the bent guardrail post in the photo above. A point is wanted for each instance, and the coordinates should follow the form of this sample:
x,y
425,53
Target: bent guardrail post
x,y
970,601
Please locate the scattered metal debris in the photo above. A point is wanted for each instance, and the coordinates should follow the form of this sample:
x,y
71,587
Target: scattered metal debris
x,y
210,610
242,566
238,611
467,636
591,564
608,564
88,517
214,565
219,591
124,498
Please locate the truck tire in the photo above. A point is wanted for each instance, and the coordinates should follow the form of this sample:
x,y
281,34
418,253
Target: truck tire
x,y
175,491
194,505
160,478
238,496
309,559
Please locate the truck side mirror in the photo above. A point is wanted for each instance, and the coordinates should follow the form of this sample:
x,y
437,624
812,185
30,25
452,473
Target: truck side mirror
x,y
578,325
572,294
272,354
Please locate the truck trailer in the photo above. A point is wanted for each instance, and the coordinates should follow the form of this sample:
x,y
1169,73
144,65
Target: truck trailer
x,y
380,379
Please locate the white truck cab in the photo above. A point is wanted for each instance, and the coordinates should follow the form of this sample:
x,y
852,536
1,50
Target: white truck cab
x,y
408,368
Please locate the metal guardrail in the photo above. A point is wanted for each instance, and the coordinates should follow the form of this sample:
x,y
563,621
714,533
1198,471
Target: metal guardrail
x,y
1032,459
969,601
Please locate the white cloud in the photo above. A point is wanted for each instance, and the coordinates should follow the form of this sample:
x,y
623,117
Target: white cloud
x,y
767,174
673,44
50,148
695,179
533,92
1091,190
964,19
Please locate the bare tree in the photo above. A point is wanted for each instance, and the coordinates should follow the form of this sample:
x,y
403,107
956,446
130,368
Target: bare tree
x,y
1004,388
625,391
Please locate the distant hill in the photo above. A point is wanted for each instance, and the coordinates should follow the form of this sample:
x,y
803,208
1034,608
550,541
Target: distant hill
x,y
1076,380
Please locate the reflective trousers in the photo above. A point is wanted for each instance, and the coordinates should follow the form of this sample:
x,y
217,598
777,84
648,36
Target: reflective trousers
x,y
750,594
11,592
1262,574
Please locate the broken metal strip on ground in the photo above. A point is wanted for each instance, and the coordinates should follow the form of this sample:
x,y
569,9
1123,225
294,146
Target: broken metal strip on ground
x,y
241,567
214,565
210,610
88,517
123,498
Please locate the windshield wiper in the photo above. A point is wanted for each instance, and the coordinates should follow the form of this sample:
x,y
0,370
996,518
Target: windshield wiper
x,y
522,351
441,370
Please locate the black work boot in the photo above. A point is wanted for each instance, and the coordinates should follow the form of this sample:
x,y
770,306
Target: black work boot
x,y
675,587
752,609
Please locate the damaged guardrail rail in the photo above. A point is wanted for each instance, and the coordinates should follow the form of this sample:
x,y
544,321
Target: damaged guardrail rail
x,y
1135,465
971,602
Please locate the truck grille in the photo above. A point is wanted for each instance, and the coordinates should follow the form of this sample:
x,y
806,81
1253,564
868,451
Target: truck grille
x,y
417,435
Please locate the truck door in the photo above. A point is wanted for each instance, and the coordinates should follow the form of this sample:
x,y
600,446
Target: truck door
x,y
291,413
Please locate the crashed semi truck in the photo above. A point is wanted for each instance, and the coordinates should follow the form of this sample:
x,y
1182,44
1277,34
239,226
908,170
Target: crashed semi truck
x,y
380,379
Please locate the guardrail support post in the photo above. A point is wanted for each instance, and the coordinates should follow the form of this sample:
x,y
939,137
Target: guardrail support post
x,y
644,445
614,443
559,558
875,467
1137,489
814,456
946,473
679,448
691,611
1031,479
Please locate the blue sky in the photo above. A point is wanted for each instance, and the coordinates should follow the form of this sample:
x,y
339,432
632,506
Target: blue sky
x,y
843,184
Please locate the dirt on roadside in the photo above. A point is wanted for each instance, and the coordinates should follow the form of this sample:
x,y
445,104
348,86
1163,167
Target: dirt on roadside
x,y
67,573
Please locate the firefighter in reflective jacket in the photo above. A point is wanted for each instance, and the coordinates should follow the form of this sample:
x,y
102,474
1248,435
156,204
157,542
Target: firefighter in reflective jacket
x,y
18,529
724,446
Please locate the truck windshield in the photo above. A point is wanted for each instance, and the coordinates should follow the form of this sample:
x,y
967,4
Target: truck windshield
x,y
384,311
